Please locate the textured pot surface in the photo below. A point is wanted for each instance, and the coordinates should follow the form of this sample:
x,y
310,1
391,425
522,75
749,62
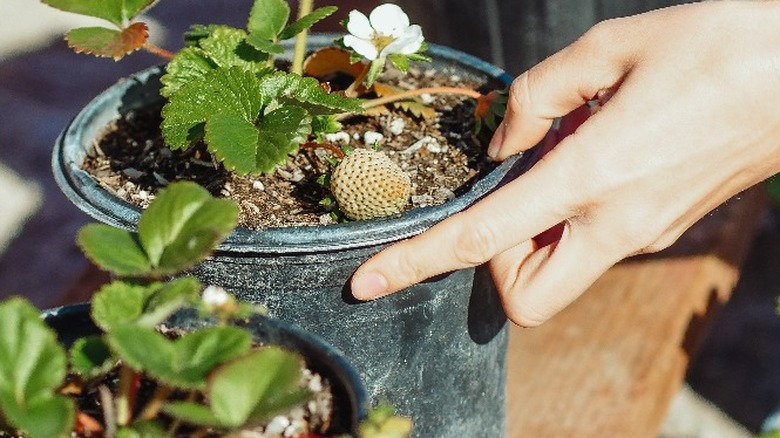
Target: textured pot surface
x,y
436,351
73,322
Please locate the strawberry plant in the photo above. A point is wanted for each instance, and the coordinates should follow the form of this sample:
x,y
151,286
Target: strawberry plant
x,y
226,89
211,380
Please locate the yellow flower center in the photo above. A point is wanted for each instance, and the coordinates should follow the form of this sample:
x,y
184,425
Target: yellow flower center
x,y
381,41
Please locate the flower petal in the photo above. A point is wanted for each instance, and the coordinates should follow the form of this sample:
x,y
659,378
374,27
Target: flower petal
x,y
358,25
363,47
410,42
389,19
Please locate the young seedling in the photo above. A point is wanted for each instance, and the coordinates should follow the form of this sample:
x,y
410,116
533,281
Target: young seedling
x,y
211,380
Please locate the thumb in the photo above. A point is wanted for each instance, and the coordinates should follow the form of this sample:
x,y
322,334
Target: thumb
x,y
598,61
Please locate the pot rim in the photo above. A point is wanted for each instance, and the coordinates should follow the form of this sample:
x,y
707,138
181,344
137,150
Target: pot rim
x,y
87,194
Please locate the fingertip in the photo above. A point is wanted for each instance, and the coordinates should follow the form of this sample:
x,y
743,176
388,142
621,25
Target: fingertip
x,y
494,148
370,285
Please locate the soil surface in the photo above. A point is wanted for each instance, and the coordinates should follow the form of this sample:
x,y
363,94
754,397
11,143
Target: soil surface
x,y
441,154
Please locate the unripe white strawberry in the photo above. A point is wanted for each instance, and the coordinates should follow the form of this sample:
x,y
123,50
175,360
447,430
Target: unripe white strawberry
x,y
367,184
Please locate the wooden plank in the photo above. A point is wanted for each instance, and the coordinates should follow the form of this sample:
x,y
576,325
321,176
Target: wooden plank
x,y
610,364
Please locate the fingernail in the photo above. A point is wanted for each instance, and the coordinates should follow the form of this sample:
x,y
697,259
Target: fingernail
x,y
495,143
369,286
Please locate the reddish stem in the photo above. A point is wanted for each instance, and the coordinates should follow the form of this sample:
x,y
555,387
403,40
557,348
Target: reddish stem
x,y
420,91
332,148
86,424
159,51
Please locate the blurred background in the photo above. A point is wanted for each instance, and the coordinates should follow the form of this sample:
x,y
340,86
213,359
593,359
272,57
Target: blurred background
x,y
733,383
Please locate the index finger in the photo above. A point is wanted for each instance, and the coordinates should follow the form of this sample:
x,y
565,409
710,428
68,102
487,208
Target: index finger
x,y
471,237
597,61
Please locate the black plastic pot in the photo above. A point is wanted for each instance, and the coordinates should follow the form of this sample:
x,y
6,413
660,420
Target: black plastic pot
x,y
437,350
74,322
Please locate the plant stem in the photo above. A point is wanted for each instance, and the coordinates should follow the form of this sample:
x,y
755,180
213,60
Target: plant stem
x,y
159,51
420,91
109,414
335,150
351,91
128,383
304,8
155,404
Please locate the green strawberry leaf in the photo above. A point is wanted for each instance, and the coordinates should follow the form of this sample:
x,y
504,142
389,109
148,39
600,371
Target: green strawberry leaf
x,y
183,225
401,62
32,367
144,429
183,363
117,12
119,303
275,374
264,45
280,133
217,46
114,250
190,64
307,21
91,357
289,88
267,19
221,91
197,32
193,413
108,43
233,140
227,47
376,67
173,296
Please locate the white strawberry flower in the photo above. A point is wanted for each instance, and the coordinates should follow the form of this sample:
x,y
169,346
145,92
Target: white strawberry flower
x,y
386,31
215,297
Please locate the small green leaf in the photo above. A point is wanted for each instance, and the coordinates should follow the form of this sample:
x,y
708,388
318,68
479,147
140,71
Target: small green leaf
x,y
189,64
227,47
144,429
234,141
32,367
116,11
307,21
117,251
267,18
325,125
281,133
173,296
193,413
401,62
264,45
289,88
91,357
119,303
376,67
275,373
217,46
222,91
47,416
183,225
382,423
197,32
108,43
184,362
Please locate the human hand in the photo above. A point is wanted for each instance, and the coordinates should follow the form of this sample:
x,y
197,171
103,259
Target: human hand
x,y
691,117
